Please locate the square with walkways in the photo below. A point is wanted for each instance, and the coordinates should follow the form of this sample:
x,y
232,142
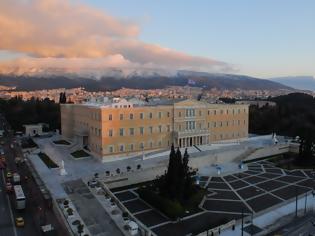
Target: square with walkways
x,y
226,206
250,172
274,170
295,173
290,179
310,173
309,183
151,218
290,191
238,184
217,185
217,179
220,194
249,192
241,175
230,178
254,179
269,175
136,205
263,202
126,195
271,185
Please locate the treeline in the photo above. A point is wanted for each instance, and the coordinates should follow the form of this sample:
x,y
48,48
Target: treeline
x,y
19,112
294,115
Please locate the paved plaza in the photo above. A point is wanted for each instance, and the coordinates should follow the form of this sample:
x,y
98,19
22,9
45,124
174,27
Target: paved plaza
x,y
262,187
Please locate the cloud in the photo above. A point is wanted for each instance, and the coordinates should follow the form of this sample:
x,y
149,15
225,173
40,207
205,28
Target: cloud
x,y
66,29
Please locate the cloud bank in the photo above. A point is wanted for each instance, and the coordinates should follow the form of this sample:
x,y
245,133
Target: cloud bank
x,y
67,33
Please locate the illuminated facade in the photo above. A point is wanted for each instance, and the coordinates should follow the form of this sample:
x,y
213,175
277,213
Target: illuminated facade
x,y
119,128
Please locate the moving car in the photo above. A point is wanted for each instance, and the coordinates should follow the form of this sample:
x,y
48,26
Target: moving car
x,y
19,222
9,174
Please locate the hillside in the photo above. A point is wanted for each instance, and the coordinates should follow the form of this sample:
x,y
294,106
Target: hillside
x,y
297,82
112,80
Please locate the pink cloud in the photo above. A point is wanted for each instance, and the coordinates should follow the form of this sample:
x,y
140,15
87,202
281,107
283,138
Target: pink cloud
x,y
64,29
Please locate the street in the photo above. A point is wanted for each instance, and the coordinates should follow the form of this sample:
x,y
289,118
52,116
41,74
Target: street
x,y
38,211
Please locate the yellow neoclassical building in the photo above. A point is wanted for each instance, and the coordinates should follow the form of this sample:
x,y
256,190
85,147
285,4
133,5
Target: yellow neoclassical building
x,y
113,128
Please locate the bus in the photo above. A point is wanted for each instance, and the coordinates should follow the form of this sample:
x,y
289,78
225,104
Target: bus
x,y
19,197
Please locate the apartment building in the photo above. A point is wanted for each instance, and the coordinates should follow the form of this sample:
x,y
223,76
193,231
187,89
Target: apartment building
x,y
118,128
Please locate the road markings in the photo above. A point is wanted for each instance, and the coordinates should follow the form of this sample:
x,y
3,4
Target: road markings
x,y
11,213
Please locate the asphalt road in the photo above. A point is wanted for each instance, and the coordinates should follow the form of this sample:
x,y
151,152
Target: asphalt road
x,y
37,211
7,227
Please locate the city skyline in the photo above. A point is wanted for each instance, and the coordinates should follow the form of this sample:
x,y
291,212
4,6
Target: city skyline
x,y
215,36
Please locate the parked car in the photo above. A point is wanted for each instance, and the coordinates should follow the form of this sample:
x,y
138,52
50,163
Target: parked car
x,y
8,187
19,222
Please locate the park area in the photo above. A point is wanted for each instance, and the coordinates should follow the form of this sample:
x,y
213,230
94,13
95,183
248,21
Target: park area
x,y
259,189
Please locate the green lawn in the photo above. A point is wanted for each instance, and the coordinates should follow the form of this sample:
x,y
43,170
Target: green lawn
x,y
62,142
79,154
46,159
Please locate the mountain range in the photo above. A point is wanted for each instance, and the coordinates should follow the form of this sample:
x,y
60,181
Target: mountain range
x,y
297,82
116,78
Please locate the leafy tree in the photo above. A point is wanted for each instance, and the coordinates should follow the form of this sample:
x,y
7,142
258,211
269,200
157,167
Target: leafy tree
x,y
176,183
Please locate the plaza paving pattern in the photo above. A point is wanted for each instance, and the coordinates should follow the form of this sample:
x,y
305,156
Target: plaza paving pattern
x,y
261,187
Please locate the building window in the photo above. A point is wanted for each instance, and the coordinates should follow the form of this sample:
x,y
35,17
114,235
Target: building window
x,y
168,114
200,113
111,149
121,116
150,115
131,131
179,114
150,129
110,117
227,123
238,122
121,148
239,111
131,147
208,112
215,112
141,145
141,130
160,128
151,144
208,125
221,112
121,132
227,112
160,115
214,124
221,124
110,133
131,116
141,116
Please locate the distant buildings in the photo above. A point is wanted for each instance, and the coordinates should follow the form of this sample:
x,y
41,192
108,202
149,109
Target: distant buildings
x,y
120,127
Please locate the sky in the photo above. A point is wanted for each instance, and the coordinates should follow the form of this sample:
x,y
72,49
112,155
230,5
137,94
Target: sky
x,y
258,38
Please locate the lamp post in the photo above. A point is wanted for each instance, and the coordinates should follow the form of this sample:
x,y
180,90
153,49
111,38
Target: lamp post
x,y
242,222
296,200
